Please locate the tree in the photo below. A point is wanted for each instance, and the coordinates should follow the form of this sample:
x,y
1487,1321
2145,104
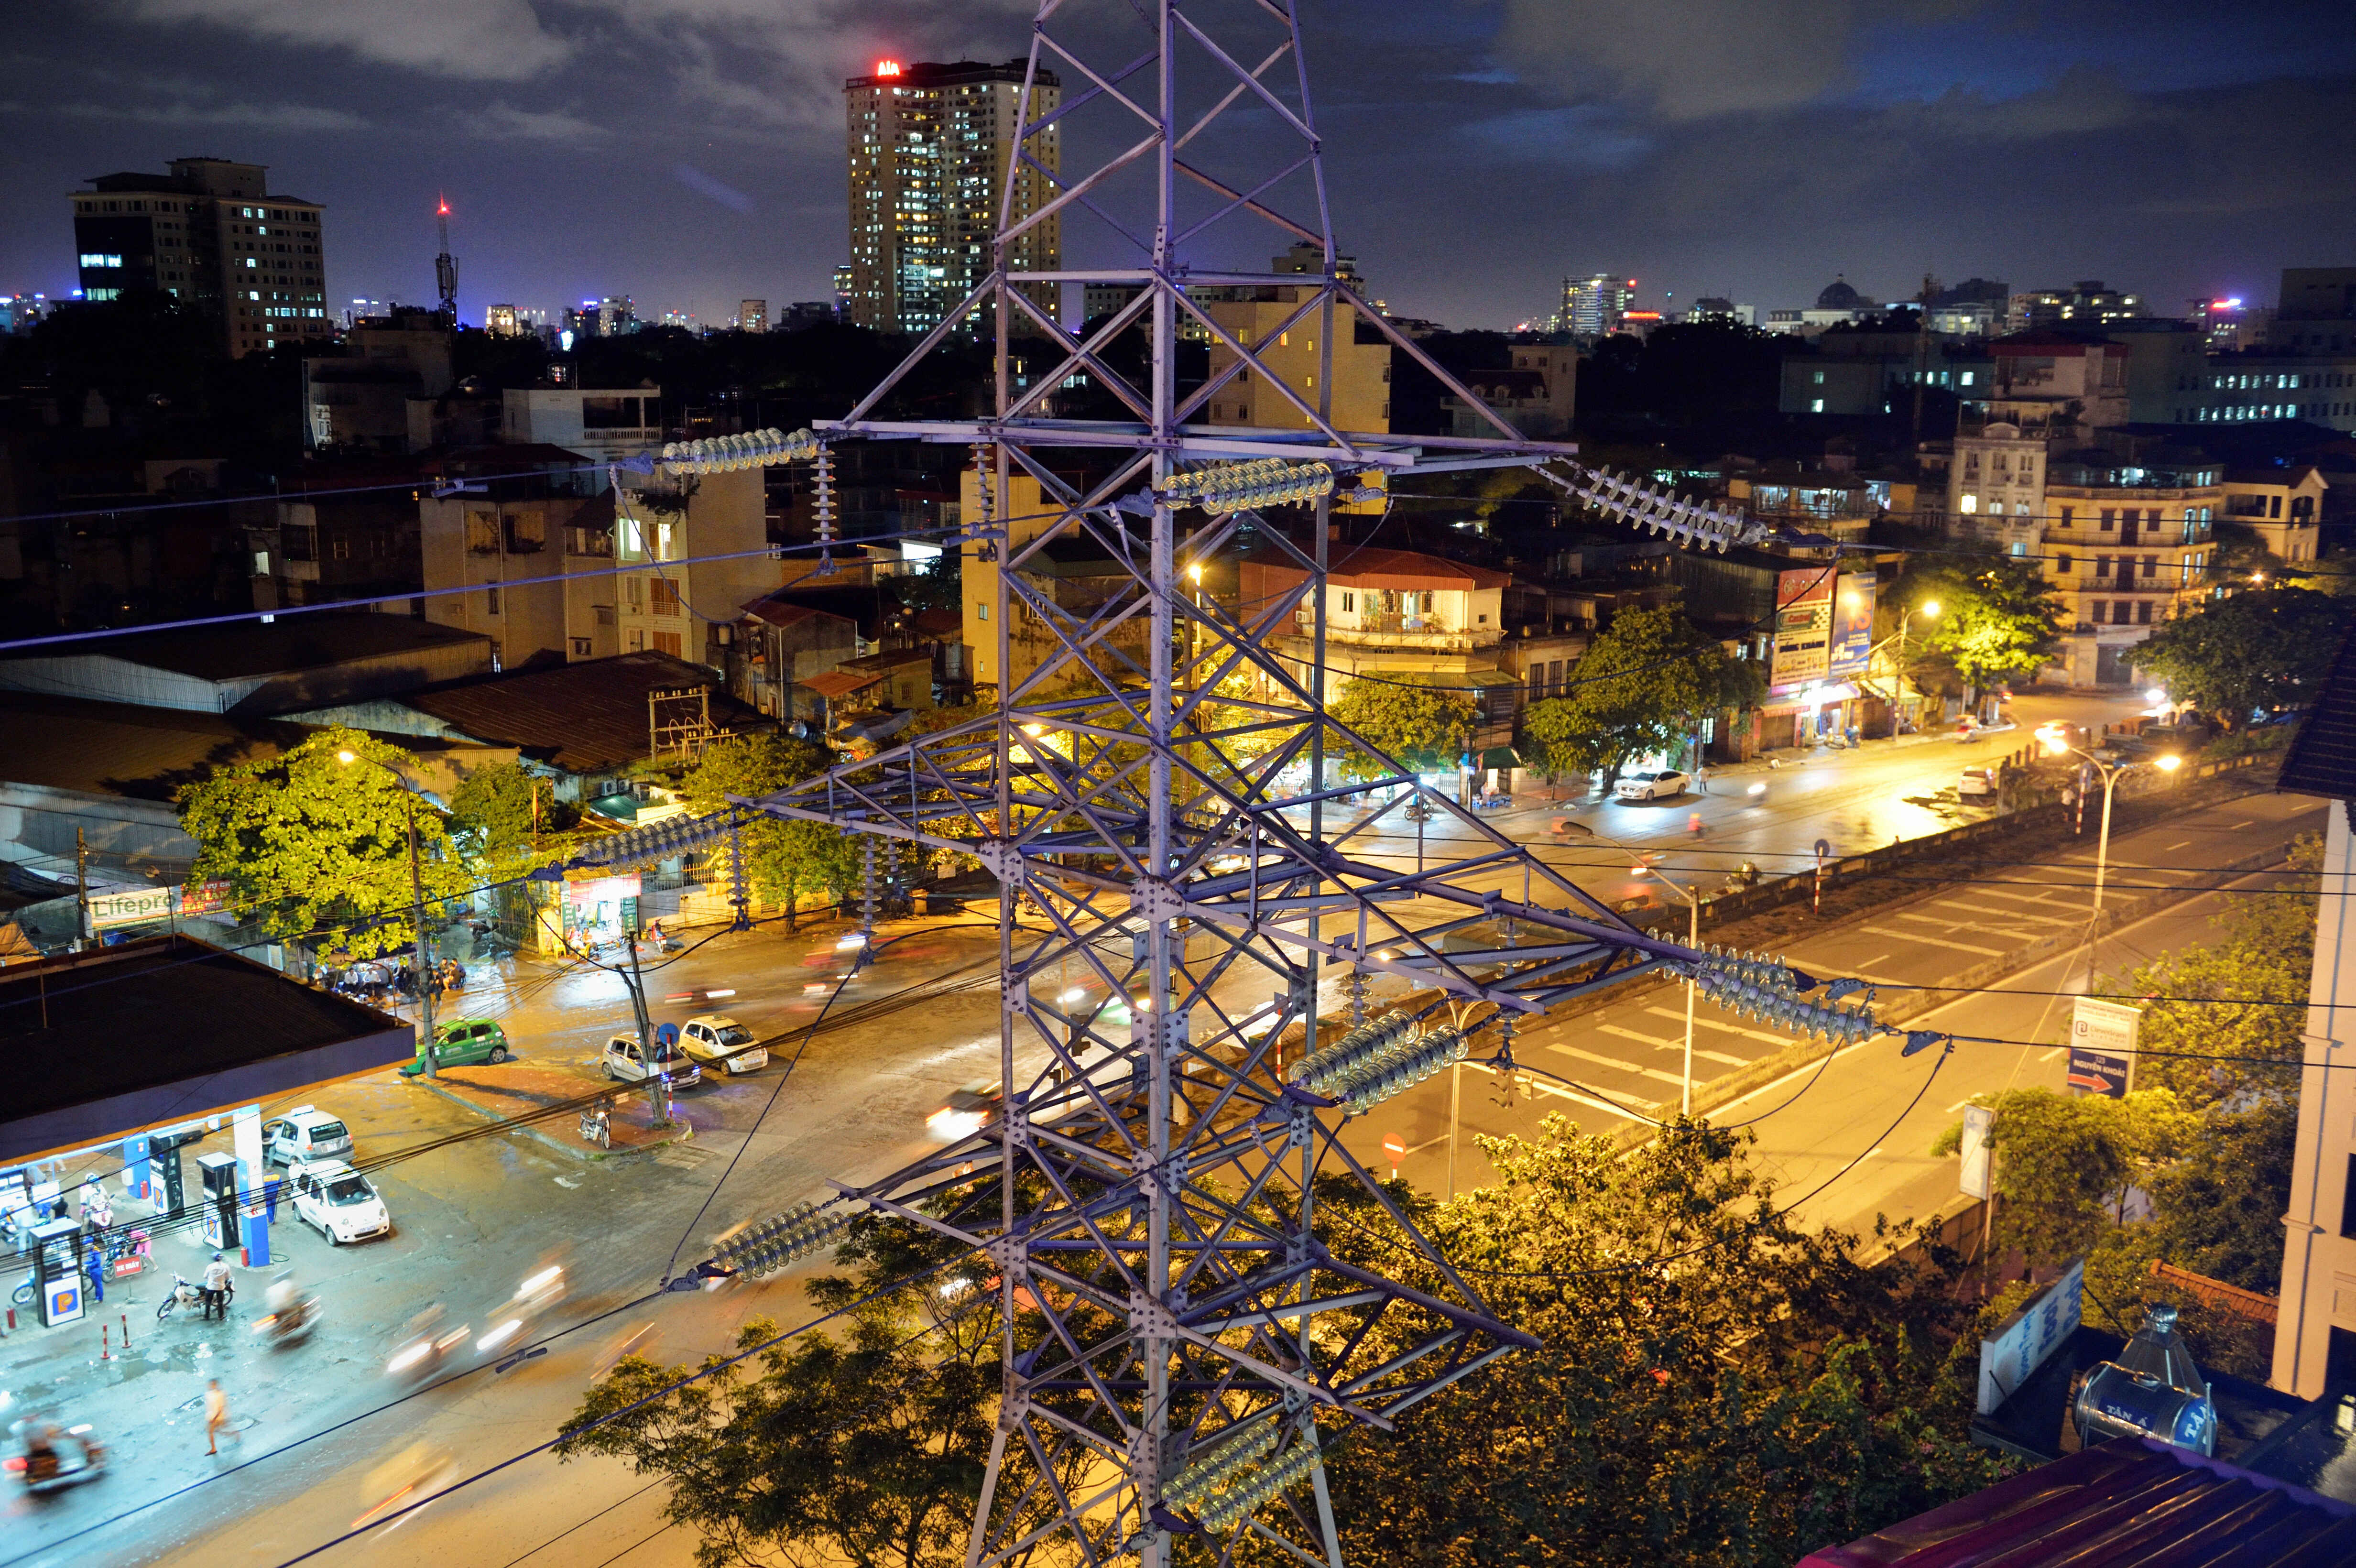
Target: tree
x,y
2063,1163
1422,727
1642,686
866,1449
317,848
2265,649
501,810
1998,619
783,859
1718,1385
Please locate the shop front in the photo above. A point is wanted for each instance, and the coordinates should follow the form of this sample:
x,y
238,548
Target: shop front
x,y
1807,714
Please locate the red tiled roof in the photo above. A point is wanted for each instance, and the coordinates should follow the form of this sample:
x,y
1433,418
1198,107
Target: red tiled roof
x,y
831,684
1370,566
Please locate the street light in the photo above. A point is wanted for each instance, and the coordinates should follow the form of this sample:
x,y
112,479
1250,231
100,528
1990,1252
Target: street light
x,y
1693,940
1928,609
417,898
2055,746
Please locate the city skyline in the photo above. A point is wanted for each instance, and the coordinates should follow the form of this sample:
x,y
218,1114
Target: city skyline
x,y
585,155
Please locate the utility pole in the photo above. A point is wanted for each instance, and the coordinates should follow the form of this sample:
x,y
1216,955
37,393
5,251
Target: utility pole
x,y
657,1082
82,890
421,950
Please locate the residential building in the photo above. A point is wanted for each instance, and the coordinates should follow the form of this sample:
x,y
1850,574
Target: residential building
x,y
2052,377
1073,575
209,234
1592,305
1996,479
2259,384
2318,313
497,542
2226,324
1309,259
929,147
359,399
806,313
503,321
1255,318
1973,308
1852,370
2125,546
2087,303
605,426
1713,307
1836,503
335,547
1539,394
2164,366
2282,507
780,645
752,316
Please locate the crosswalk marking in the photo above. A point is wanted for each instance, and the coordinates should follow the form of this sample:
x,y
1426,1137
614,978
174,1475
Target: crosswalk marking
x,y
1679,1044
1573,1051
1933,941
2010,914
1724,1027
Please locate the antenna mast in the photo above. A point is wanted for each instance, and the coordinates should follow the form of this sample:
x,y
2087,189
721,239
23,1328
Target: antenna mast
x,y
445,267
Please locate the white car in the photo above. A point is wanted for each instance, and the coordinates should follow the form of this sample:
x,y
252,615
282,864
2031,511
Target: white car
x,y
623,1065
338,1201
305,1133
1664,784
718,1041
1977,782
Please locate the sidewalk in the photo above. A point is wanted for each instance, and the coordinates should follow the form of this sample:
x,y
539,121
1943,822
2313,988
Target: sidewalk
x,y
505,1092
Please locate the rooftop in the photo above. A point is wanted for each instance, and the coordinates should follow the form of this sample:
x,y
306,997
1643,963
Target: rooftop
x,y
118,749
585,718
2322,756
1371,566
239,1032
246,649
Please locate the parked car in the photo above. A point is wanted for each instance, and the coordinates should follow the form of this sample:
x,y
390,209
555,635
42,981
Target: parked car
x,y
717,1039
464,1042
305,1134
622,1062
338,1201
1664,784
1979,781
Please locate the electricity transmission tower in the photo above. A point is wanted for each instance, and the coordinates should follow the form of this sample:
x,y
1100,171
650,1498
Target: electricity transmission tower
x,y
1166,803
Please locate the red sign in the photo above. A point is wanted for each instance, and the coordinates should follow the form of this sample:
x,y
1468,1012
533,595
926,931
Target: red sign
x,y
1395,1145
204,898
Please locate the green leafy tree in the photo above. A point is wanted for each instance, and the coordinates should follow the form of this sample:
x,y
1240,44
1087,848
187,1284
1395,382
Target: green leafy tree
x,y
315,848
1422,726
503,810
1718,1385
863,1448
783,859
1643,686
2268,648
1998,620
2063,1163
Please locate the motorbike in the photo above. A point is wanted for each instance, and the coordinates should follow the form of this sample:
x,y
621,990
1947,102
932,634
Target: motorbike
x,y
596,1126
52,1460
535,1295
188,1297
293,1315
425,1347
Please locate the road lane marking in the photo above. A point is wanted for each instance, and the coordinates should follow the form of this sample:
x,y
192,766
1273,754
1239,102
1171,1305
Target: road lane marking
x,y
2237,826
2044,898
1573,1051
1933,941
2057,1050
2184,844
2013,914
1717,1056
1723,1026
1540,1086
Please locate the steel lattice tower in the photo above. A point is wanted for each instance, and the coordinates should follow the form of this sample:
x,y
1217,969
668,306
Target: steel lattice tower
x,y
1178,1346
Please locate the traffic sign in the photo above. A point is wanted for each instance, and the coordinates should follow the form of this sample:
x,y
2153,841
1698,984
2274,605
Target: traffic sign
x,y
1395,1145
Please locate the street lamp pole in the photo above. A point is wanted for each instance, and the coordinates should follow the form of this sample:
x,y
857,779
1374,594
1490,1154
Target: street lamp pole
x,y
2111,774
419,947
1693,939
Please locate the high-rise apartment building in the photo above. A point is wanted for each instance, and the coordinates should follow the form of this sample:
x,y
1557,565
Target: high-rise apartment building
x,y
210,234
1593,306
752,316
928,148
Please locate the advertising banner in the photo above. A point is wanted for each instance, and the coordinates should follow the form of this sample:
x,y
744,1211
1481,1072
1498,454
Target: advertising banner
x,y
2102,1048
2030,1336
1978,1121
1852,634
1804,626
129,906
204,898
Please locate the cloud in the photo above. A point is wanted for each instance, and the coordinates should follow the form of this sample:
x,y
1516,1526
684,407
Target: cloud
x,y
506,123
1693,59
296,117
702,184
1579,136
492,41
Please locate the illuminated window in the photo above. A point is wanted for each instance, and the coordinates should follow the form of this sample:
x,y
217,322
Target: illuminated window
x,y
99,258
1971,504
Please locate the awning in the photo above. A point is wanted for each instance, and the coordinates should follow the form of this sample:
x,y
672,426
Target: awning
x,y
1499,757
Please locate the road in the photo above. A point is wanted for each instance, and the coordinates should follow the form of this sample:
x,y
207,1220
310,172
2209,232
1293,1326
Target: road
x,y
476,1216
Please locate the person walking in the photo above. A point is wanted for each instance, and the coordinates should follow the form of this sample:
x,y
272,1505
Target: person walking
x,y
215,1415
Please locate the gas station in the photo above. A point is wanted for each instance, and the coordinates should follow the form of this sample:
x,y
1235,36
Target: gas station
x,y
225,1037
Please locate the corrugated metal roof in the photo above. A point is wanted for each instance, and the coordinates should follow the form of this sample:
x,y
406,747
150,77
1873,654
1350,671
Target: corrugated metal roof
x,y
298,642
585,718
831,684
119,749
2128,1503
2322,755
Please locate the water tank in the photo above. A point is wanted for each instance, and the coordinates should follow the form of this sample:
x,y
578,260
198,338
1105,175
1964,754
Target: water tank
x,y
2153,1390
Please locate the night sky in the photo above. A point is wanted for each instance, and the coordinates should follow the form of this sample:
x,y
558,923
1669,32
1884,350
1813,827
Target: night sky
x,y
689,151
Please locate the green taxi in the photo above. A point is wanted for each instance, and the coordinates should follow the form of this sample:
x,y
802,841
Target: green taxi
x,y
464,1042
